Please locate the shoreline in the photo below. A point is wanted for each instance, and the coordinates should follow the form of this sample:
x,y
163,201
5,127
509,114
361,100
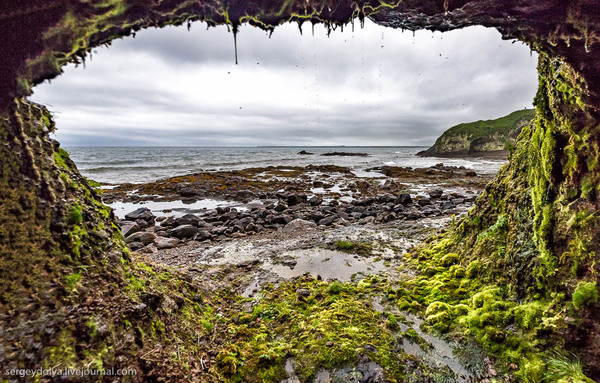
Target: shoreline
x,y
296,226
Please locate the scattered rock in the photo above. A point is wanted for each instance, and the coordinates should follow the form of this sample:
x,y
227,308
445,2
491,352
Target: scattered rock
x,y
165,243
184,231
143,237
142,213
299,224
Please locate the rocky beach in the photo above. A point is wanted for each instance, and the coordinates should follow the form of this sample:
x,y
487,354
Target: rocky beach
x,y
253,231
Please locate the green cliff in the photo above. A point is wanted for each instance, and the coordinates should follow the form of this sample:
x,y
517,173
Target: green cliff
x,y
481,136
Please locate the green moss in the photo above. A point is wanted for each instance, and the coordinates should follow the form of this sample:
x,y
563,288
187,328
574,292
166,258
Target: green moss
x,y
75,214
584,294
72,280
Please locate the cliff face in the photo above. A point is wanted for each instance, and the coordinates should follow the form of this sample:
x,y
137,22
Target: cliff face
x,y
530,247
480,136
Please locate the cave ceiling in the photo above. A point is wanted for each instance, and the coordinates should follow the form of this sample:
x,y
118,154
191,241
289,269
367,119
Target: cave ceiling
x,y
40,37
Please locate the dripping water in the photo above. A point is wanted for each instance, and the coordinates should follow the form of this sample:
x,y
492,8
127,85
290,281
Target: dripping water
x,y
235,30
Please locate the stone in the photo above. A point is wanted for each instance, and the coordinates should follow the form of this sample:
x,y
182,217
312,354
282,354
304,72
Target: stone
x,y
142,224
435,193
303,293
169,222
144,237
190,192
283,219
141,213
184,231
403,199
188,219
280,207
128,227
295,199
203,235
165,243
326,221
133,246
315,201
447,205
298,224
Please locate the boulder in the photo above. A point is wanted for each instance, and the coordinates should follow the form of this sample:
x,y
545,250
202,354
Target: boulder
x,y
165,243
184,231
295,199
315,201
128,227
403,199
435,193
141,213
299,224
203,235
144,237
188,219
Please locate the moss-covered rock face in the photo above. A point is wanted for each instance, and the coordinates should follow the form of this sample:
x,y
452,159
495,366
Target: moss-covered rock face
x,y
519,273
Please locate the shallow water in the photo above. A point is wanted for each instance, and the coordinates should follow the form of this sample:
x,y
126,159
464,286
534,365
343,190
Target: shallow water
x,y
329,264
171,208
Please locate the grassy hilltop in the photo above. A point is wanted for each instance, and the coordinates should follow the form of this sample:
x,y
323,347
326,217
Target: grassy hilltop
x,y
480,136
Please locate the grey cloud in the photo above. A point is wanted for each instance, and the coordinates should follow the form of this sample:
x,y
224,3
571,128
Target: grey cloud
x,y
373,86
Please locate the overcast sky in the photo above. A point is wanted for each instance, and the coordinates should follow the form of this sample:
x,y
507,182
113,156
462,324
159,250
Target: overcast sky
x,y
373,86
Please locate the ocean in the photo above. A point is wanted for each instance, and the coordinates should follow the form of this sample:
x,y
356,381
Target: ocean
x,y
116,165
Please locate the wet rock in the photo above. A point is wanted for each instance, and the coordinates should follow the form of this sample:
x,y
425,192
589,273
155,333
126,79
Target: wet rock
x,y
283,219
366,220
280,207
142,224
447,205
141,213
144,237
326,221
135,246
222,210
389,217
435,193
203,235
188,219
252,227
365,202
295,199
169,222
403,199
424,202
470,173
128,227
315,201
299,224
150,249
190,192
165,243
304,152
288,261
184,231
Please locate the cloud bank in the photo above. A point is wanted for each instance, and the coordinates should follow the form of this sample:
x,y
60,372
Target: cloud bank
x,y
373,86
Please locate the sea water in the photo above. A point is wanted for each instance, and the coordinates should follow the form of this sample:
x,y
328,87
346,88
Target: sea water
x,y
116,165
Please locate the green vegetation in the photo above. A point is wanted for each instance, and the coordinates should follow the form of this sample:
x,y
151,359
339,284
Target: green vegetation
x,y
485,128
585,293
481,136
362,248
